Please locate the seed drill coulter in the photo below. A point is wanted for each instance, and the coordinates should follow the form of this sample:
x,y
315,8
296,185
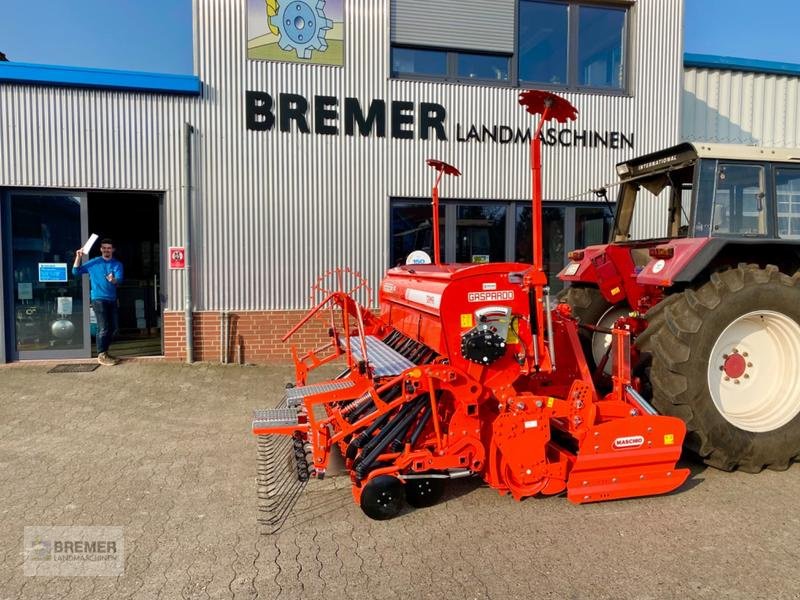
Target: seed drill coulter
x,y
466,370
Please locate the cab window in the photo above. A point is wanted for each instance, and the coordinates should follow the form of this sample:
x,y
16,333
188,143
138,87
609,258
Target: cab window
x,y
740,206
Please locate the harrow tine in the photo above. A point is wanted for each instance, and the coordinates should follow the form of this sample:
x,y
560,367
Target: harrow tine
x,y
279,486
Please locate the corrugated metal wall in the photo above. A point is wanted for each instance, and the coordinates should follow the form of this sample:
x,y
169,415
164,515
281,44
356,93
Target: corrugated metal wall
x,y
425,23
741,107
274,210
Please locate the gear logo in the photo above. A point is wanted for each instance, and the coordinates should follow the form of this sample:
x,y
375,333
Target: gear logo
x,y
309,31
303,25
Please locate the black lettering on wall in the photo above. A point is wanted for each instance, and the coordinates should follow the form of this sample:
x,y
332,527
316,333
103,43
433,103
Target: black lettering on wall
x,y
259,111
293,107
324,110
400,118
376,116
432,115
625,141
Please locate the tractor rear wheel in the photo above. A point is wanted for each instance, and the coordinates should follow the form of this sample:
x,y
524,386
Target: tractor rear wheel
x,y
725,359
590,308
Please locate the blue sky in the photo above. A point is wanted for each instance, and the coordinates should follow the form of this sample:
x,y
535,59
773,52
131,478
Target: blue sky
x,y
136,35
156,35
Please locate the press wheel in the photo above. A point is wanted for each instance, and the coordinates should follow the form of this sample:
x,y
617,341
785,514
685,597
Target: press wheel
x,y
382,497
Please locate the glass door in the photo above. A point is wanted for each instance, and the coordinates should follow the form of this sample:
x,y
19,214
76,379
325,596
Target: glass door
x,y
49,308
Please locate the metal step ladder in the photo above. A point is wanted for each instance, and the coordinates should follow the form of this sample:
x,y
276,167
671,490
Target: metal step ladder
x,y
385,361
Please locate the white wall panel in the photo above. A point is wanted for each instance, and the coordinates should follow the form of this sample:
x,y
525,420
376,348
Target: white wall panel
x,y
740,107
274,210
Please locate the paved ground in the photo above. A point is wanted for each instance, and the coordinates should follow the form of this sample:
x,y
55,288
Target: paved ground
x,y
164,451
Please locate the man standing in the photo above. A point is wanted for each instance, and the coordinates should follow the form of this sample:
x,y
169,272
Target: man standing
x,y
105,274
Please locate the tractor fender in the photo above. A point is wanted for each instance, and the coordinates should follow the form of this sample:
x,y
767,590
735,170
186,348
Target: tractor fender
x,y
582,270
689,257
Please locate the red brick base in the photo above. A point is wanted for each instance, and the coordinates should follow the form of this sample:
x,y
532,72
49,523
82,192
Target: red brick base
x,y
255,336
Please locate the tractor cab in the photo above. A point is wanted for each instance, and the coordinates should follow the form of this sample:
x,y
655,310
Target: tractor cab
x,y
684,211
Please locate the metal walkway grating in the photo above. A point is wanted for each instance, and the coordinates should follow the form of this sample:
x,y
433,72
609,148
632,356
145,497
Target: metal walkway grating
x,y
385,361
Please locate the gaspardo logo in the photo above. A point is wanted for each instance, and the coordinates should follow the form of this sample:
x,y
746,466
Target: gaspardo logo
x,y
499,295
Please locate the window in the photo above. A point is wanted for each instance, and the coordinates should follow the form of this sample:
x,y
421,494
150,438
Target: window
x,y
566,44
415,61
787,187
571,45
449,64
477,232
739,206
543,42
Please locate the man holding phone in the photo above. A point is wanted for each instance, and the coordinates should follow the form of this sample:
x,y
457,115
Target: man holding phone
x,y
105,274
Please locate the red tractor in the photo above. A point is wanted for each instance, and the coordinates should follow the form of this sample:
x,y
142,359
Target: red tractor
x,y
464,371
702,269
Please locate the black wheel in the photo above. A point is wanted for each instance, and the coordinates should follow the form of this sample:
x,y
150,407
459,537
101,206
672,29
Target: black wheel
x,y
724,358
421,493
590,308
382,497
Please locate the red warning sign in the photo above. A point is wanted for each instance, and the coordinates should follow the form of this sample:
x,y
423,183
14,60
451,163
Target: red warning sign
x,y
177,257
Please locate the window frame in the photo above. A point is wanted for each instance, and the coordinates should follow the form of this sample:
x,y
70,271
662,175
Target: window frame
x,y
514,81
451,61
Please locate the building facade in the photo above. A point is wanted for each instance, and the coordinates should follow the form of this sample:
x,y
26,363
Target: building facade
x,y
269,168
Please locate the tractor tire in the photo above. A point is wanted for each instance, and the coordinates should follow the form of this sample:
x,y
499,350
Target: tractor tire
x,y
724,358
590,308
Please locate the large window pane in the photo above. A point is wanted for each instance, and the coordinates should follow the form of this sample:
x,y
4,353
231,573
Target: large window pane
x,y
553,222
600,47
48,300
481,233
482,66
412,230
592,226
543,42
414,61
739,205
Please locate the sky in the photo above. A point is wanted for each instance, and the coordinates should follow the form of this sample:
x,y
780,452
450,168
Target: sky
x,y
156,35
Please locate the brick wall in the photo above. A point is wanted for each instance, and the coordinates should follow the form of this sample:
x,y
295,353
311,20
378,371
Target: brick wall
x,y
258,333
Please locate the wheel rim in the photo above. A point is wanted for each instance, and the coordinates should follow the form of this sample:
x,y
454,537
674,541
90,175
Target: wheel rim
x,y
753,374
602,341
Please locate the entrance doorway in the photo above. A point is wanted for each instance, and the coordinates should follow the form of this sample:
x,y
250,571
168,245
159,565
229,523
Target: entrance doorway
x,y
46,308
133,221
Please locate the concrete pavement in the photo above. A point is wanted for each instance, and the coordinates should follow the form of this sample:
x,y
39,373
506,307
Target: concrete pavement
x,y
164,451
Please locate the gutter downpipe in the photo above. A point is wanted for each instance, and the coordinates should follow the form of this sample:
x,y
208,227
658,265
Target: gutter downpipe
x,y
187,233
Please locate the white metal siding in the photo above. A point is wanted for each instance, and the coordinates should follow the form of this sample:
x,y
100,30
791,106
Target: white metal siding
x,y
462,24
741,107
274,210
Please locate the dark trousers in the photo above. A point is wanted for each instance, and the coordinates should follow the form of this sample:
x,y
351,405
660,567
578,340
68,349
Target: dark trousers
x,y
107,323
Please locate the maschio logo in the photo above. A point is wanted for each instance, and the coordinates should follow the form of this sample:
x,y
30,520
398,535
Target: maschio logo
x,y
490,296
628,442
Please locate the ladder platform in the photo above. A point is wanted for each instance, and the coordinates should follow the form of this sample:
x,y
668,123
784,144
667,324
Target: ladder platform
x,y
274,417
385,361
296,395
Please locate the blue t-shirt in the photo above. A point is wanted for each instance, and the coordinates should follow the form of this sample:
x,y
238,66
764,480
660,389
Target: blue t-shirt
x,y
98,269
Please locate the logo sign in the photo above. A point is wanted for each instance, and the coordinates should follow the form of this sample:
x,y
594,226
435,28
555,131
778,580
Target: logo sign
x,y
659,266
73,551
389,287
489,286
177,257
418,257
496,296
628,442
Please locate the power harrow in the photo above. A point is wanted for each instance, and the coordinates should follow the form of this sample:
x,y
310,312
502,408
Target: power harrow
x,y
466,370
